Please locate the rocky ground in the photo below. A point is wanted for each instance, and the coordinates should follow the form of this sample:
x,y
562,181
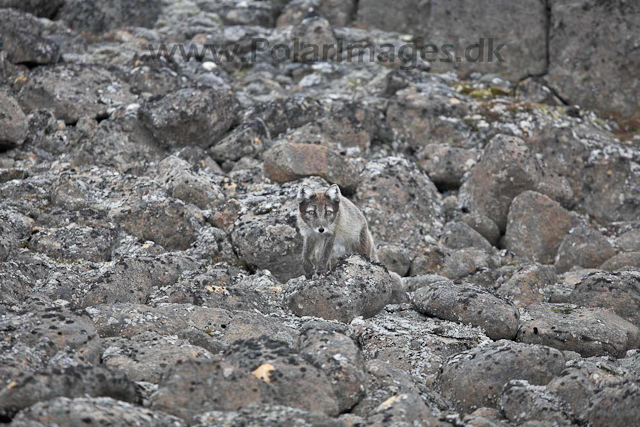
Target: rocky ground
x,y
150,269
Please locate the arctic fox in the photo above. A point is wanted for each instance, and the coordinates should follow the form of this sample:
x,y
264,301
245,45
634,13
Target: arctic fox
x,y
331,226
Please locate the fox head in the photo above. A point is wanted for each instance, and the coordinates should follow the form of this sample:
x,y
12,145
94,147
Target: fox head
x,y
318,209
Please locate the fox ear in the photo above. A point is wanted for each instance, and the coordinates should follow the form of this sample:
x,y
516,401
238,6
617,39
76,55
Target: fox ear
x,y
305,193
334,193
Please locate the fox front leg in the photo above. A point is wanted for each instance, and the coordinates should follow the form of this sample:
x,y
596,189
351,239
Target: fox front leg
x,y
327,251
307,264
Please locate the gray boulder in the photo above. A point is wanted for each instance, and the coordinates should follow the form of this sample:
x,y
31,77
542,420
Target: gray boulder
x,y
588,331
446,165
583,247
190,117
522,402
468,304
72,91
618,292
508,167
258,414
73,243
93,411
475,378
622,260
615,406
342,362
13,122
536,227
527,285
483,225
259,370
188,185
398,200
629,241
353,288
69,382
146,357
23,40
286,162
459,235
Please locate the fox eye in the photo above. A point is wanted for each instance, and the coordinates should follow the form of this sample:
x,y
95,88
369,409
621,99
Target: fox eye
x,y
329,213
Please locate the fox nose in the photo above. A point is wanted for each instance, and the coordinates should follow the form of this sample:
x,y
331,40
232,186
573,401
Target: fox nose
x,y
320,230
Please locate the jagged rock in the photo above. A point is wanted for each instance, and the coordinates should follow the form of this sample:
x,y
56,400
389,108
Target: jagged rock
x,y
468,304
383,381
50,330
522,402
341,360
122,144
353,288
605,84
72,91
247,325
13,122
400,203
622,260
590,332
286,162
583,247
536,227
221,286
459,235
99,410
190,117
465,381
101,16
23,40
618,292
